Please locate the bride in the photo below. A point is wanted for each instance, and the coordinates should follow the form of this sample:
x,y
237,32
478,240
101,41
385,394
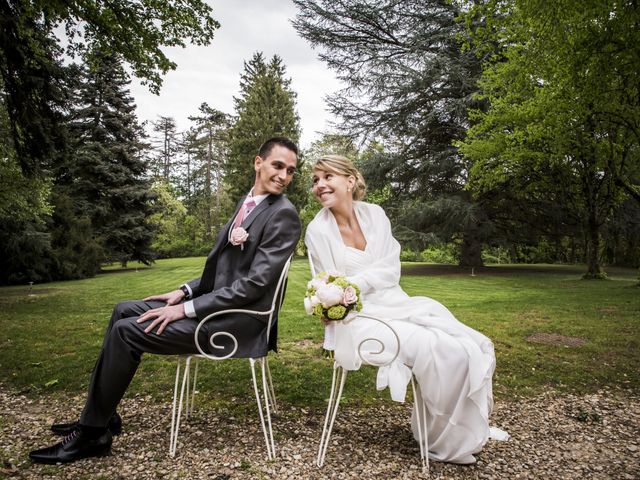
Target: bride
x,y
453,363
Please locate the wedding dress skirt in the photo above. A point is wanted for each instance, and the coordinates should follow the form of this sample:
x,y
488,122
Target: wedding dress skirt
x,y
452,363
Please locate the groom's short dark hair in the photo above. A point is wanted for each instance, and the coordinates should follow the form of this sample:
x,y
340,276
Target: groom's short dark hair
x,y
266,147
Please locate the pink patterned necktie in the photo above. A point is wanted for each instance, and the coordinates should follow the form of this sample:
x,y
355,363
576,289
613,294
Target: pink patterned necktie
x,y
244,211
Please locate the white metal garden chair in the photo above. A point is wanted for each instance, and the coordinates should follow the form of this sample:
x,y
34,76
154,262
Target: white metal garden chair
x,y
339,379
265,396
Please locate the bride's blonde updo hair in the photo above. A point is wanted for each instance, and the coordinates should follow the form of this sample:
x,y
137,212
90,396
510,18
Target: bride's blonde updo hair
x,y
343,166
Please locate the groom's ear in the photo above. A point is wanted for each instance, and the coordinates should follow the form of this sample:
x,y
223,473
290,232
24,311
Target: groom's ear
x,y
257,163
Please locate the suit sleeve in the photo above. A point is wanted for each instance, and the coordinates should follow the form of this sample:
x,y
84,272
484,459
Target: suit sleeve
x,y
279,239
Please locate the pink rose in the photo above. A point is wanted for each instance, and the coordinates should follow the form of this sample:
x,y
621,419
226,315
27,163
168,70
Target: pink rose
x,y
349,296
238,236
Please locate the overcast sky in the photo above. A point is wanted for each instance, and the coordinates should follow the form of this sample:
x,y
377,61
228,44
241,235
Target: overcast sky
x,y
212,74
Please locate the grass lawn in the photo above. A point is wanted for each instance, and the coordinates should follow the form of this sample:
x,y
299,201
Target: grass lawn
x,y
49,340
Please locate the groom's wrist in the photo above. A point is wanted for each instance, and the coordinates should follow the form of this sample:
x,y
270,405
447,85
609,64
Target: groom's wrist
x,y
187,292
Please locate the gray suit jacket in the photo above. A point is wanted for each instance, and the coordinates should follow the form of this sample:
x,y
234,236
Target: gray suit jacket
x,y
235,277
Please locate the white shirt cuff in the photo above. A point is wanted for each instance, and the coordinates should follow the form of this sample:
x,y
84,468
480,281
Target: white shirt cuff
x,y
189,309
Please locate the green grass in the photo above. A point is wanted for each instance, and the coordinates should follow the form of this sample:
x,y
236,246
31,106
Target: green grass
x,y
49,340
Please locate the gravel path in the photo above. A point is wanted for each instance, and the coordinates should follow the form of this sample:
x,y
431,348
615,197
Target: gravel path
x,y
554,436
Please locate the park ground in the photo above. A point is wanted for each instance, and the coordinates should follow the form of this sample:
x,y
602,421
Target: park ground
x,y
566,385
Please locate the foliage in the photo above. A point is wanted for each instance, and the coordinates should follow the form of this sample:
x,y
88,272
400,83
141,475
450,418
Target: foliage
x,y
22,198
207,147
44,209
136,31
409,84
74,250
167,145
562,129
33,85
105,173
442,254
265,108
178,233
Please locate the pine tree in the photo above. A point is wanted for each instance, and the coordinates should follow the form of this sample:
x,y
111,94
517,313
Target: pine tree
x,y
106,169
166,144
134,30
264,109
209,149
409,84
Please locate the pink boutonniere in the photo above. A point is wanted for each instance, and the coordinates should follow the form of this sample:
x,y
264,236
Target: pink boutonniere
x,y
238,236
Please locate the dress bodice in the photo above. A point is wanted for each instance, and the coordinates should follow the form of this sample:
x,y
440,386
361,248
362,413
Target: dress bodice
x,y
355,260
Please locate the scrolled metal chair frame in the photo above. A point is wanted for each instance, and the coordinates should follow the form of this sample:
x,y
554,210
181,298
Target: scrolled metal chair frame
x,y
267,395
339,379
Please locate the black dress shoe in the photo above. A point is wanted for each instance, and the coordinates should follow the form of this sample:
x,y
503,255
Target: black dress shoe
x,y
75,446
64,429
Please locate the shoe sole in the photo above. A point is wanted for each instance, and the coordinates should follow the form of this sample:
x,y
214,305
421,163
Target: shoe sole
x,y
98,454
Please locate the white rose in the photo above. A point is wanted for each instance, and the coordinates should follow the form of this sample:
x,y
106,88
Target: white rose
x,y
316,283
329,295
307,306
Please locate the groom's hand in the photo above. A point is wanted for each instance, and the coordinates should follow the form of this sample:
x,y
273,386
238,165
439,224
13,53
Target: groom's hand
x,y
162,316
170,298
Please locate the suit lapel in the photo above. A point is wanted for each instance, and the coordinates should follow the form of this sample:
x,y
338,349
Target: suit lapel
x,y
266,203
223,238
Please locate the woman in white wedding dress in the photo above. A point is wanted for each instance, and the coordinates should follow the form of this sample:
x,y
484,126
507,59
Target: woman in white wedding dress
x,y
452,363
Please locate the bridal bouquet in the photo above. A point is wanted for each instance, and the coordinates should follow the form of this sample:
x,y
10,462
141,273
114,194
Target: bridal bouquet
x,y
332,296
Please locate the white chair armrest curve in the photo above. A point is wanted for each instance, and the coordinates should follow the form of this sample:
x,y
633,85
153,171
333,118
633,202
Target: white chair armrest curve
x,y
382,348
226,334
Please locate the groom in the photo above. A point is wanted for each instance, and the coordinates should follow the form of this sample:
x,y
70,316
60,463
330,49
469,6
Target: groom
x,y
241,271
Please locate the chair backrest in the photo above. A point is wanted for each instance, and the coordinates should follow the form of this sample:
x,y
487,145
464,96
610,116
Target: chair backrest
x,y
276,303
278,295
311,267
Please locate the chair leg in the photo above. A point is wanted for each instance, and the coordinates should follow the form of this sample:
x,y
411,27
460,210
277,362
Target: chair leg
x,y
421,418
332,410
268,436
266,386
190,405
177,404
270,390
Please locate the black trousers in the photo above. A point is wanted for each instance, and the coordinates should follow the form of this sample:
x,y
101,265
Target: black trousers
x,y
125,341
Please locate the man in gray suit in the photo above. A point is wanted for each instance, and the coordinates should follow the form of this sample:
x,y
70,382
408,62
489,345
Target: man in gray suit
x,y
241,271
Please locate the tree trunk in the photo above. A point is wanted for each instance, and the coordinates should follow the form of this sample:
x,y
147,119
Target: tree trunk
x,y
471,250
208,220
593,246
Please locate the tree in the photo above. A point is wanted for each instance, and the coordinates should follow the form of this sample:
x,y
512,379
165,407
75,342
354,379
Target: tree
x,y
264,109
409,84
175,233
565,107
106,173
209,144
134,30
35,89
167,146
25,206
